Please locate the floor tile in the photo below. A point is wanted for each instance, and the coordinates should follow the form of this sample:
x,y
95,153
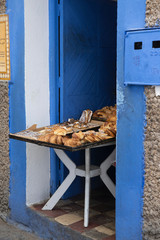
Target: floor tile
x,y
110,225
38,206
79,226
50,213
70,207
63,203
110,238
105,230
70,213
95,235
104,207
92,203
54,213
110,213
92,213
68,219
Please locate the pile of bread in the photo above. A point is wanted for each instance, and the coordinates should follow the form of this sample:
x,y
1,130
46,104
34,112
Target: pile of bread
x,y
58,134
107,113
110,126
76,139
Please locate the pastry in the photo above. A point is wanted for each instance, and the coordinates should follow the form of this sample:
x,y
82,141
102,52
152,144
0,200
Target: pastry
x,y
71,142
106,113
60,131
86,116
65,139
44,138
53,139
108,128
59,140
80,135
112,119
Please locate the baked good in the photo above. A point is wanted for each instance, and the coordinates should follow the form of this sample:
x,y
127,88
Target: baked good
x,y
102,136
108,128
53,139
60,131
44,138
59,140
65,139
86,116
90,138
76,124
71,142
106,113
112,118
79,135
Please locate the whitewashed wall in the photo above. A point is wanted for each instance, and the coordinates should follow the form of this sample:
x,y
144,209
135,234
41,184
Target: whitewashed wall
x,y
37,96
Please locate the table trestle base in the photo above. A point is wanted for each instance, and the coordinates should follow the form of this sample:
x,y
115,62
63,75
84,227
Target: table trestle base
x,y
88,171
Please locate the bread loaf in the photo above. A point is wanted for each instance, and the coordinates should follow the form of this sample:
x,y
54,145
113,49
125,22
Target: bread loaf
x,y
53,139
60,131
86,116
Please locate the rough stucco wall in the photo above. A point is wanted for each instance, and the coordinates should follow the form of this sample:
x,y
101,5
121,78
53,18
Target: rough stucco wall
x,y
152,13
2,6
4,147
151,211
4,141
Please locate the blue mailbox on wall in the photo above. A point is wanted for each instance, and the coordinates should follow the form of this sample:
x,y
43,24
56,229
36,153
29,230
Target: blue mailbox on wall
x,y
142,57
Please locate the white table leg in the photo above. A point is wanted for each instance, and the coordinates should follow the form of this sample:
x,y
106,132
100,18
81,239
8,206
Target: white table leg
x,y
104,176
66,183
87,187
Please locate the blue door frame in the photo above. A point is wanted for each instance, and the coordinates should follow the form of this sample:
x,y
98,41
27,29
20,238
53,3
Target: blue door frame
x,y
131,112
130,136
54,85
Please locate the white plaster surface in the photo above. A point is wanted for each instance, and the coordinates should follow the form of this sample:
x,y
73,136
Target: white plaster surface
x,y
157,91
37,96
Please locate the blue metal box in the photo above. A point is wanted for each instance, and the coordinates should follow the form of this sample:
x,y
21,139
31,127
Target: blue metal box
x,y
142,57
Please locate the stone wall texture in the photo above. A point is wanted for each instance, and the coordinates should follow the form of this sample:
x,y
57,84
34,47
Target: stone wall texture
x,y
2,6
4,147
151,210
152,13
4,140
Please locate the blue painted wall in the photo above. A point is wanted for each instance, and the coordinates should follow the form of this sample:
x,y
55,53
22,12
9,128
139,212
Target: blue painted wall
x,y
131,121
15,9
88,64
131,117
54,93
89,55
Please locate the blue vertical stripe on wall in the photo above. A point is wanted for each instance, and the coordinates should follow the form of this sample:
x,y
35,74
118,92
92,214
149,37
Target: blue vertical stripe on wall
x,y
53,76
130,136
17,200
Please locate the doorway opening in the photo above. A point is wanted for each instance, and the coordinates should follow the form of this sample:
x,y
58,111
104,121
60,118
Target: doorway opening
x,y
87,32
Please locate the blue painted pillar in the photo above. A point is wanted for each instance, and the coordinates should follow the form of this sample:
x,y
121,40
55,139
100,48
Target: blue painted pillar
x,y
130,136
15,10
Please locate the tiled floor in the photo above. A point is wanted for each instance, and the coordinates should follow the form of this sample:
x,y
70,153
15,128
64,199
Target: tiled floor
x,y
102,215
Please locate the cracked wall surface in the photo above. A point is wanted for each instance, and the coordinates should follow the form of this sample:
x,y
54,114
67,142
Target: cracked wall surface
x,y
2,6
152,13
151,210
4,140
4,147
